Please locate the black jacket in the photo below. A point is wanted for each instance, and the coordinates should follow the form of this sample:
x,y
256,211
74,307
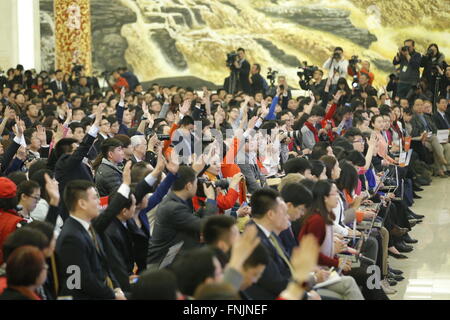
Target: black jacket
x,y
119,250
175,221
75,247
440,122
244,82
108,178
275,277
71,167
55,89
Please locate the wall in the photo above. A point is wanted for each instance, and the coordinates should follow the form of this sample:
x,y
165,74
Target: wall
x,y
176,38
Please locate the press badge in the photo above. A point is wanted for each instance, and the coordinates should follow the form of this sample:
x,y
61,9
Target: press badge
x,y
404,68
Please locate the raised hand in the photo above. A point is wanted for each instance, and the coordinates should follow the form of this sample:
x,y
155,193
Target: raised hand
x,y
161,162
185,107
21,153
126,175
172,165
122,95
51,186
244,247
99,113
20,127
41,134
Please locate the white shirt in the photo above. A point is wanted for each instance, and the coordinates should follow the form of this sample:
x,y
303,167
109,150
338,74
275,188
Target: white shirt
x,y
266,232
341,65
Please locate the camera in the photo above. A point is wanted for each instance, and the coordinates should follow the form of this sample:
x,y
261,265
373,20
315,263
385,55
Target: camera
x,y
163,137
271,75
336,55
201,182
354,60
306,72
405,48
231,58
430,52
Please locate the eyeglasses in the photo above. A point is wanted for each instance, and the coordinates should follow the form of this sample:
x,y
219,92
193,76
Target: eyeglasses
x,y
37,198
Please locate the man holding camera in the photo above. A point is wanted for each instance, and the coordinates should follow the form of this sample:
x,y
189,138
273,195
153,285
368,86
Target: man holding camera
x,y
409,61
316,84
337,66
243,68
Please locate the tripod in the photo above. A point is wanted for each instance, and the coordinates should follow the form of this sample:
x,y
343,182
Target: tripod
x,y
436,91
232,81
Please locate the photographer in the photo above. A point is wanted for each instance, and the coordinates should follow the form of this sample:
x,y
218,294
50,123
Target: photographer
x,y
316,84
409,61
433,63
243,68
360,67
363,89
257,83
336,65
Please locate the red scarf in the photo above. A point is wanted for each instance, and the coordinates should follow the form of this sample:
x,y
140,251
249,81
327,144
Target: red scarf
x,y
313,130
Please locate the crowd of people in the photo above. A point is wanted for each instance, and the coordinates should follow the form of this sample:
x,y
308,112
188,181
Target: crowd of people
x,y
170,193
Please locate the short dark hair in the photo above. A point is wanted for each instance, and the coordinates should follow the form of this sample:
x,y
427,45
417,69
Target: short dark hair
x,y
241,49
45,227
356,158
296,165
351,133
317,167
296,194
109,145
216,228
186,121
262,201
17,177
139,171
319,150
198,264
124,139
185,175
27,188
155,285
23,237
74,191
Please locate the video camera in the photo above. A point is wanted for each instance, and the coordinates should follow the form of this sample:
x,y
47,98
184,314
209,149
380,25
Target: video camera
x,y
354,60
306,72
271,75
231,58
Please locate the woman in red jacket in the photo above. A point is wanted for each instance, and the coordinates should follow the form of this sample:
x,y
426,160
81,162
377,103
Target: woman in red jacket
x,y
319,221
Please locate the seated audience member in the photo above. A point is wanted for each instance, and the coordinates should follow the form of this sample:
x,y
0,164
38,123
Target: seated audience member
x,y
175,221
298,165
80,243
155,285
108,175
26,271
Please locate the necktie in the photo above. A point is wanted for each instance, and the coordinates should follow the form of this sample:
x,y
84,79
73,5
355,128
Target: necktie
x,y
281,252
108,280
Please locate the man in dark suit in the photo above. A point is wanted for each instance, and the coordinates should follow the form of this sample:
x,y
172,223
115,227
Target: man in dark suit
x,y
71,164
269,214
59,84
441,118
84,270
175,219
243,68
